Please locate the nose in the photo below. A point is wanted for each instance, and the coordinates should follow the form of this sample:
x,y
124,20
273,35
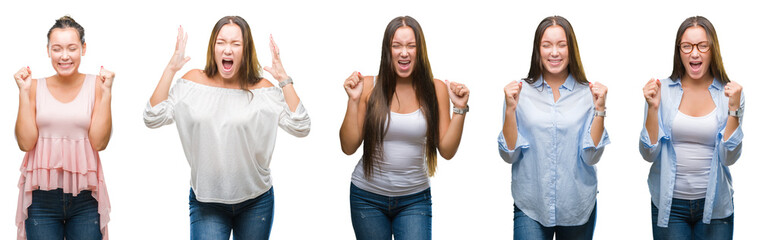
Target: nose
x,y
555,51
404,53
695,53
227,49
66,55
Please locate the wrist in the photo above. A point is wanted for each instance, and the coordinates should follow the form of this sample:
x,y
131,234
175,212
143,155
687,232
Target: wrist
x,y
284,82
461,110
601,108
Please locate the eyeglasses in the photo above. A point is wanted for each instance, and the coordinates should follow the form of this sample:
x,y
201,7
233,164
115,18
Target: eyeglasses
x,y
688,47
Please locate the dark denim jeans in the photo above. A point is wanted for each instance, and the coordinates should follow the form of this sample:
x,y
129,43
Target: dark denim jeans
x,y
376,216
685,222
527,228
54,214
251,219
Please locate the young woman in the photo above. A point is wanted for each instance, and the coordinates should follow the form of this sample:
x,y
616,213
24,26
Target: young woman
x,y
227,116
63,121
553,134
402,117
692,133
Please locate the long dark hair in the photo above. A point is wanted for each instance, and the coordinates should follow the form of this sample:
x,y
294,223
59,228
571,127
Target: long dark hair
x,y
378,108
575,64
717,69
250,69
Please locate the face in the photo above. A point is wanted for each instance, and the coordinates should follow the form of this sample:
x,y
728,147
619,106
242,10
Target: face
x,y
65,51
554,50
696,63
404,51
228,50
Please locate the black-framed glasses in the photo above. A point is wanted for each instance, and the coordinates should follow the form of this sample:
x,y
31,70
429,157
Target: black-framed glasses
x,y
688,47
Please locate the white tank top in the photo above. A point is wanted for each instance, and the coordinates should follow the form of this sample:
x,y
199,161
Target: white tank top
x,y
693,140
403,169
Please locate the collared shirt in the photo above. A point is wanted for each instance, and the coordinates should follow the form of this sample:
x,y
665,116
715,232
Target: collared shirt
x,y
553,179
661,178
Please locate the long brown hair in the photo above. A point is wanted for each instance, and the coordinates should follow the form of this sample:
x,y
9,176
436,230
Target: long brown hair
x,y
250,69
378,108
575,64
717,69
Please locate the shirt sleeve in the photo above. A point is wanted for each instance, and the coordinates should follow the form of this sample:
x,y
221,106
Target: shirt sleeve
x,y
513,155
296,123
589,151
648,151
731,149
162,113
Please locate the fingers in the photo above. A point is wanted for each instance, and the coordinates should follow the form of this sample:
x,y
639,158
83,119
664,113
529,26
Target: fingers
x,y
458,89
273,46
353,80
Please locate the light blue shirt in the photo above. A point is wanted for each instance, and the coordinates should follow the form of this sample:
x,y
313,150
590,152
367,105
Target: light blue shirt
x,y
553,179
661,179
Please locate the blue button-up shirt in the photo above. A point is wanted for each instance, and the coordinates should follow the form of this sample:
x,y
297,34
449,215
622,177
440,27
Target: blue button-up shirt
x,y
661,179
553,179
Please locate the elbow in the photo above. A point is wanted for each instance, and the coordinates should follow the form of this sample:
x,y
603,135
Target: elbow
x,y
348,150
447,155
25,147
99,146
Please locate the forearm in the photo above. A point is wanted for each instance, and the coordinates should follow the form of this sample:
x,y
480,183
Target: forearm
x,y
449,143
161,92
597,129
26,124
652,124
730,127
350,131
510,128
100,129
291,97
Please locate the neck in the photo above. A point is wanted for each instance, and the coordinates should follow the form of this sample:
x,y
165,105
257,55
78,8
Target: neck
x,y
704,81
224,82
555,79
70,79
403,81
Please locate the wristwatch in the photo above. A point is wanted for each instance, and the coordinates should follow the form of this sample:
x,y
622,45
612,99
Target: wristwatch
x,y
461,111
736,113
289,80
599,113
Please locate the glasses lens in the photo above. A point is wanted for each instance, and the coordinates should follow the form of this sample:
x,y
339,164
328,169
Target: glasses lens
x,y
703,47
686,47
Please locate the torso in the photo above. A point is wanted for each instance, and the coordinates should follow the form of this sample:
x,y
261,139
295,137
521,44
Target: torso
x,y
696,101
65,92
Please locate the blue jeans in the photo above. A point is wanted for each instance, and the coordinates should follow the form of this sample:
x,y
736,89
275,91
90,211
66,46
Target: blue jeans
x,y
54,214
686,222
251,219
527,228
376,216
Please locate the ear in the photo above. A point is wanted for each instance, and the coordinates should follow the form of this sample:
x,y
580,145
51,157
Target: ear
x,y
84,49
48,50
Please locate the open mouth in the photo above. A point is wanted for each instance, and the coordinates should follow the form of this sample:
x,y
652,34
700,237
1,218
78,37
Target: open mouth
x,y
554,62
695,66
404,64
227,64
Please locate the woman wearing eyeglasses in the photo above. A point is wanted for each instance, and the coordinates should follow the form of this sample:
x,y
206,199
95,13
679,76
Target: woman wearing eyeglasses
x,y
692,133
553,135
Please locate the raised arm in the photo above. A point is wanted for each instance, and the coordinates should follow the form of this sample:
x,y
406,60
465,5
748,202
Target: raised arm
x,y
26,123
100,126
451,127
278,72
178,60
352,130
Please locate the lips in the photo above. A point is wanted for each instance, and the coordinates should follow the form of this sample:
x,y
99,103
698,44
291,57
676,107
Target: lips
x,y
554,62
227,64
65,65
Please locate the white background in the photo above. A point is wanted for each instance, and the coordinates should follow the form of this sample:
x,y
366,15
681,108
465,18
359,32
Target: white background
x,y
480,43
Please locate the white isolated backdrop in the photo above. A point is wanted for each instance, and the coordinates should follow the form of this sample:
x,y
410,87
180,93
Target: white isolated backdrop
x,y
484,44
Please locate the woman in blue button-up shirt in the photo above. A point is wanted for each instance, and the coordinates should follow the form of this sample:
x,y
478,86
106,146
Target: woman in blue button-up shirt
x,y
695,118
553,134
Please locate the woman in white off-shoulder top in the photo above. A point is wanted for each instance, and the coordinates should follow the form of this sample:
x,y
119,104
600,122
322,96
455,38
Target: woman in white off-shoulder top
x,y
227,117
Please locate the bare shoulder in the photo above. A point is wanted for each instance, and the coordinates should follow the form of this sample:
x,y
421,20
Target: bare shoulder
x,y
263,83
440,86
195,75
368,88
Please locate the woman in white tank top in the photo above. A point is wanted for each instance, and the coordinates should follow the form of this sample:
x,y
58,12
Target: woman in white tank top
x,y
402,118
692,133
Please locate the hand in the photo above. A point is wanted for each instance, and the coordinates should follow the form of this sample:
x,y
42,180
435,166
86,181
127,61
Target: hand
x,y
106,78
458,93
276,70
598,91
178,59
354,86
733,93
23,79
512,91
652,93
